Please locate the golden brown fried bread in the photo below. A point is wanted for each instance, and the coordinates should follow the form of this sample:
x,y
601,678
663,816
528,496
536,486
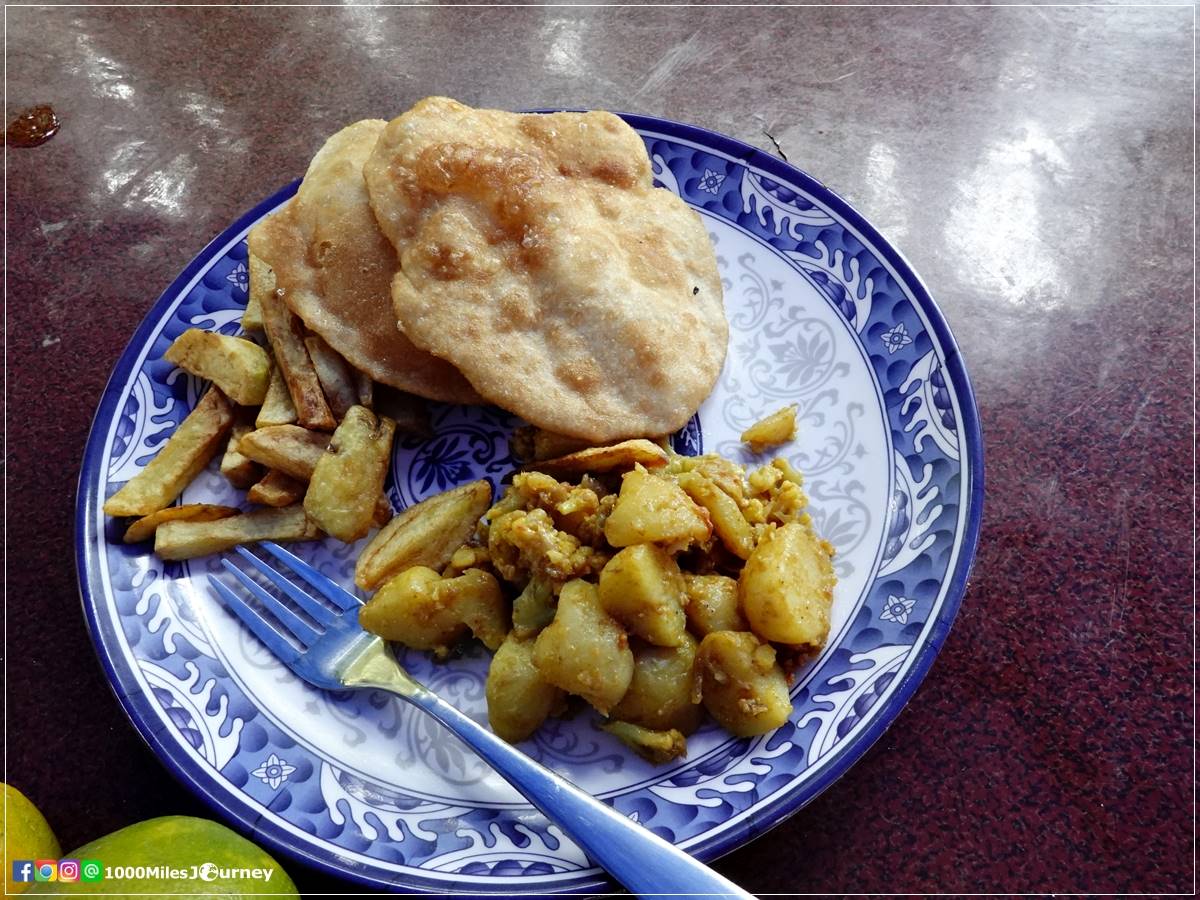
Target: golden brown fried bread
x,y
335,269
537,256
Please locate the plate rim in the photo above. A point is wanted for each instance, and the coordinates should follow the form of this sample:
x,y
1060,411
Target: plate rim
x,y
766,816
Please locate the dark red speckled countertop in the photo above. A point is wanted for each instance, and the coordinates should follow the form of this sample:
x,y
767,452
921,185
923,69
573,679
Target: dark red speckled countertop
x,y
1034,164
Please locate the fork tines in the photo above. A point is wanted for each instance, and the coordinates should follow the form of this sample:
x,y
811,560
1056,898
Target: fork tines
x,y
305,633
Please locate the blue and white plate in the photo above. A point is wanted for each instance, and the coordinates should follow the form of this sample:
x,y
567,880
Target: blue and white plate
x,y
823,313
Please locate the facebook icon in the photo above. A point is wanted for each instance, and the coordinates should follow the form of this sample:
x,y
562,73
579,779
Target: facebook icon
x,y
22,870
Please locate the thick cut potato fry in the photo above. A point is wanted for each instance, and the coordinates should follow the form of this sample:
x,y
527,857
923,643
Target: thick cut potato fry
x,y
277,407
289,448
615,458
742,685
727,519
277,489
186,540
777,428
145,527
240,368
655,510
262,281
408,411
786,587
286,334
364,387
426,534
196,441
383,511
532,444
348,479
336,377
239,470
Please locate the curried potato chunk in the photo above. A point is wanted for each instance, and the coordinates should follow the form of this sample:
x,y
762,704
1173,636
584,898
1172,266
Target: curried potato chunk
x,y
614,458
145,527
477,600
347,481
286,334
777,428
712,604
741,684
185,540
786,587
519,699
407,610
288,448
727,519
239,470
658,747
262,281
660,694
426,534
196,441
642,588
584,650
655,510
277,407
277,489
240,368
335,375
422,610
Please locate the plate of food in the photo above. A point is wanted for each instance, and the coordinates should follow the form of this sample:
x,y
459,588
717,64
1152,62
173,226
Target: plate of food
x,y
641,446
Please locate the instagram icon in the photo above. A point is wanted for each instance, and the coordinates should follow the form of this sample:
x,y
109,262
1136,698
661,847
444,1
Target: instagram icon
x,y
68,870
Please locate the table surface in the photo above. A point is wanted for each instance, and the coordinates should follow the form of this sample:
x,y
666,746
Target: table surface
x,y
1035,166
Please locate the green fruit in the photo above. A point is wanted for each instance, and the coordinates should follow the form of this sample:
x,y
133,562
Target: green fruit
x,y
207,858
26,834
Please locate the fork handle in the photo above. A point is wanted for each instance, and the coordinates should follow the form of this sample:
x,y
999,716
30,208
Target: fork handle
x,y
642,861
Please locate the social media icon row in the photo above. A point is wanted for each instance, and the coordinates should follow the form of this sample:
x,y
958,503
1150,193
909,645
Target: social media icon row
x,y
57,870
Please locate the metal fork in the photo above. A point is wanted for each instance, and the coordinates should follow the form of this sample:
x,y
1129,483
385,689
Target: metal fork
x,y
337,654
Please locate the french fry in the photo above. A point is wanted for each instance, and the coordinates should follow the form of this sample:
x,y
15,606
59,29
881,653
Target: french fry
x,y
196,441
277,407
383,511
262,281
532,444
426,534
286,334
335,376
616,457
239,470
348,479
240,368
408,411
289,448
364,386
189,512
277,489
186,540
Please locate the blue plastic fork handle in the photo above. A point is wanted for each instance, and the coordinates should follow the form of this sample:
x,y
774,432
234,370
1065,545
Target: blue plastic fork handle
x,y
642,861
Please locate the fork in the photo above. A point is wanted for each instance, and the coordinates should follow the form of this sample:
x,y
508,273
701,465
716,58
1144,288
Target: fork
x,y
336,653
